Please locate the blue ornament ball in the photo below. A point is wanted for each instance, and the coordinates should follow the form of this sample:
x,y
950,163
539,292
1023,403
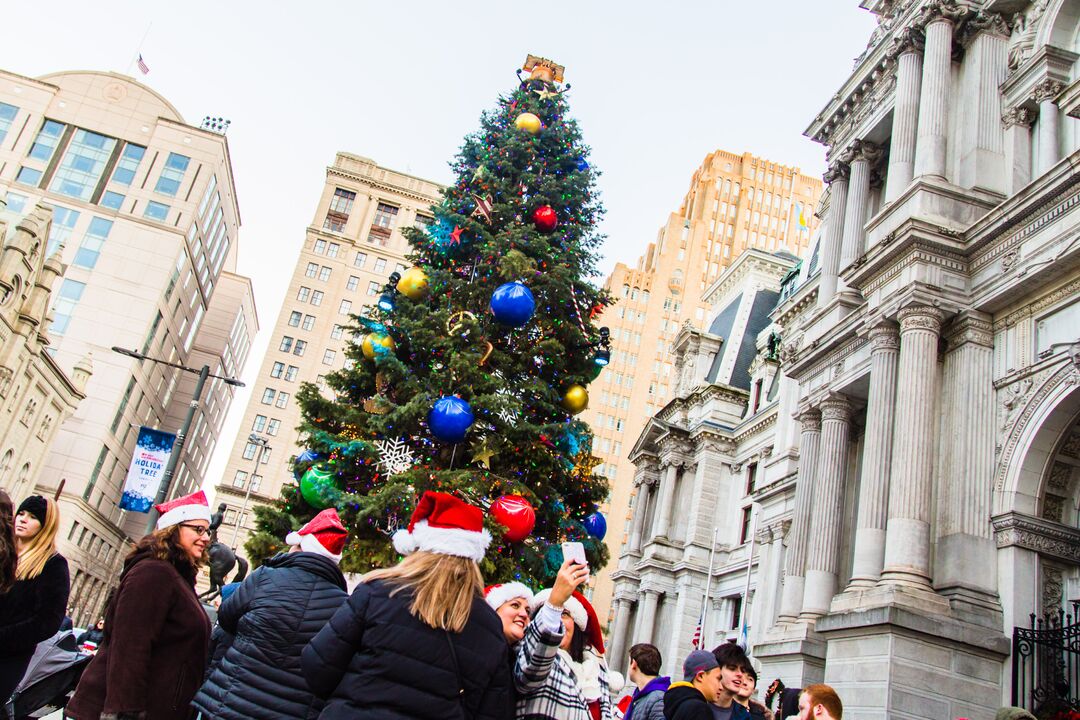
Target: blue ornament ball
x,y
305,458
513,304
582,165
450,418
596,525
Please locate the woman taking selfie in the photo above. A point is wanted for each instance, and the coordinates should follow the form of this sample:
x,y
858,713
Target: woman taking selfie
x,y
417,640
34,606
151,660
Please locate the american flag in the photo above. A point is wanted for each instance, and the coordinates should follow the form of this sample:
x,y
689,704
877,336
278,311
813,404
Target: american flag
x,y
695,641
143,67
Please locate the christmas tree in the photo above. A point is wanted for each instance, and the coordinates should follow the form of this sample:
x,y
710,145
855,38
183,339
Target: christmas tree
x,y
467,375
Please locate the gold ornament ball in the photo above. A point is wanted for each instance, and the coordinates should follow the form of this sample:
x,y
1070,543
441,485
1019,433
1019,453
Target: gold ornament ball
x,y
413,284
367,345
528,122
575,399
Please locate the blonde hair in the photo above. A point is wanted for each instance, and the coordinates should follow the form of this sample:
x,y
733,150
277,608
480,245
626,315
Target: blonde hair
x,y
41,547
443,587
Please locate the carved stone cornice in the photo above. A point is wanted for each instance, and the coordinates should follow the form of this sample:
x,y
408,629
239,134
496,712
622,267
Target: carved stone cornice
x,y
984,23
1017,116
1047,89
1045,537
866,150
920,317
940,10
885,336
1038,304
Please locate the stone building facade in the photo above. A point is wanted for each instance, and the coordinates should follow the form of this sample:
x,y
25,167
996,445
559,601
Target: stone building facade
x,y
352,245
735,202
36,395
146,221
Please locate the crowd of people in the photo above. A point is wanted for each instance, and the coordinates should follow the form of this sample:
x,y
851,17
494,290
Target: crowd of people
x,y
421,639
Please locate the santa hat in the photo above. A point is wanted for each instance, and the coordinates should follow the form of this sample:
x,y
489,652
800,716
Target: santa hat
x,y
581,610
323,535
496,595
189,507
445,525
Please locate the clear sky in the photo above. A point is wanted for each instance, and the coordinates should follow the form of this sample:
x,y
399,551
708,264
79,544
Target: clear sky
x,y
656,86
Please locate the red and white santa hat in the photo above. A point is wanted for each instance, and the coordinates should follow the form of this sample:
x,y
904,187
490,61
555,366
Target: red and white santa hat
x,y
189,507
323,535
446,525
581,610
497,595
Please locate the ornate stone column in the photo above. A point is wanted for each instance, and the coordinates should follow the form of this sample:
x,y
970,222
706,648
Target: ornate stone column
x,y
662,521
823,558
982,142
795,561
907,537
617,642
877,456
932,138
643,629
837,178
864,154
1044,95
641,507
965,558
1017,122
908,53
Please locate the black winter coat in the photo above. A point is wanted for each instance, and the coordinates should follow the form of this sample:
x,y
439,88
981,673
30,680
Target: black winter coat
x,y
683,701
31,611
375,660
271,617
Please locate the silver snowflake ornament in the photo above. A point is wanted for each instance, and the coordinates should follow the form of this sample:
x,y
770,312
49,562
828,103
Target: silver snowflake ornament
x,y
395,456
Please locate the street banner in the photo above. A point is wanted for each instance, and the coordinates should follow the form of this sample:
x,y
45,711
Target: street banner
x,y
147,467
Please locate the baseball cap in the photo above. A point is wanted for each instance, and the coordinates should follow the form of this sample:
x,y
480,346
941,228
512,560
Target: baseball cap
x,y
696,662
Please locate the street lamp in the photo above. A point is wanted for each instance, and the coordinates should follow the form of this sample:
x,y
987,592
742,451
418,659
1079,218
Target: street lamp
x,y
181,436
264,446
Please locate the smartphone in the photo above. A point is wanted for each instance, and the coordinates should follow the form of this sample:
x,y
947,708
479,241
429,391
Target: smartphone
x,y
575,552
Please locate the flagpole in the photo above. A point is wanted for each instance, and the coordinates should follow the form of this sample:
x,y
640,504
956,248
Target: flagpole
x,y
708,586
755,509
138,50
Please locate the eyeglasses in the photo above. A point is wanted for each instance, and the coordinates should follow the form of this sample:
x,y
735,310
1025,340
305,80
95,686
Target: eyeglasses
x,y
199,529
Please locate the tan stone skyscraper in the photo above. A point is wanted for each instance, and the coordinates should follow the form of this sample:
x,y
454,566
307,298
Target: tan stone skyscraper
x,y
735,202
352,245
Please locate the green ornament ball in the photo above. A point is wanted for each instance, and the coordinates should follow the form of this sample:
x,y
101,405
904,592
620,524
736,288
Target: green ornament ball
x,y
318,487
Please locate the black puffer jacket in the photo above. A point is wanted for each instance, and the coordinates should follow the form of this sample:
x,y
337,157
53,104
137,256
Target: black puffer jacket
x,y
375,660
271,617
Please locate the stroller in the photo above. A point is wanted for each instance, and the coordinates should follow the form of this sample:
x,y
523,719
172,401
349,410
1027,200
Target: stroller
x,y
53,673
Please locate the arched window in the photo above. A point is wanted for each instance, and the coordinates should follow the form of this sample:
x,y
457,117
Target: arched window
x,y
5,464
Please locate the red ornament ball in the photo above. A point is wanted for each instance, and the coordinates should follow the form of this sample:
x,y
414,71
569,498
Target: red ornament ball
x,y
545,219
516,515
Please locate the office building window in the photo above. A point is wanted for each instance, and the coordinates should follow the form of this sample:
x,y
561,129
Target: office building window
x,y
290,373
332,250
260,424
385,216
751,478
423,221
294,318
64,220
309,322
96,235
286,344
282,400
380,265
45,142
111,200
28,176
156,211
250,449
240,478
71,292
317,297
744,529
279,367
337,332
256,480
128,163
324,273
273,426
312,270
83,163
345,308
268,396
361,258
340,207
352,283
16,203
319,248
328,357
7,115
303,294
172,174
301,346
373,288
736,612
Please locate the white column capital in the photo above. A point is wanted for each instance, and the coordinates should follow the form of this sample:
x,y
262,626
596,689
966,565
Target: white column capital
x,y
838,171
940,11
920,317
1017,117
908,40
835,408
810,420
970,328
1047,89
885,336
